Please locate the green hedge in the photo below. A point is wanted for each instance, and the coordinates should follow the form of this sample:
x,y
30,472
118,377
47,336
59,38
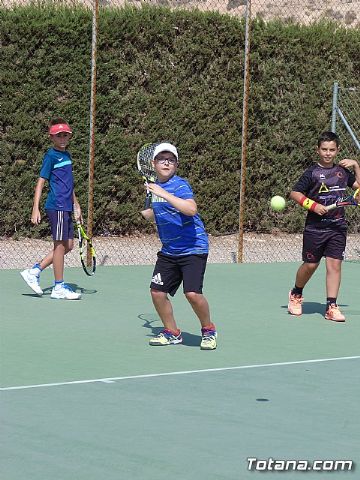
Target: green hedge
x,y
171,75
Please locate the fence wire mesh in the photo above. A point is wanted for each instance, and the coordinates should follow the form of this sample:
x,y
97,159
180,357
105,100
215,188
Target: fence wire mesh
x,y
276,245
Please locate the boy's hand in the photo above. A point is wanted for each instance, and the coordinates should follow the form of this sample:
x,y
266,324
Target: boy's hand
x,y
348,163
320,209
36,216
157,190
77,213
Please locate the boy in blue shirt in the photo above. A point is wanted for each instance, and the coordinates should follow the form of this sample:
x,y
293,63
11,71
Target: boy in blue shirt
x,y
57,170
184,251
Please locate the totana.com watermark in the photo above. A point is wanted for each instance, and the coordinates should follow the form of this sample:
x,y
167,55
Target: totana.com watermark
x,y
271,465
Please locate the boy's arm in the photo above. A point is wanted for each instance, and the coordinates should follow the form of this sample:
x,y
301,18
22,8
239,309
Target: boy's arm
x,y
307,203
350,163
35,214
187,207
77,209
148,214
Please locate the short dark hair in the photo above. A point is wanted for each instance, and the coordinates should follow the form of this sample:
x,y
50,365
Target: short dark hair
x,y
328,137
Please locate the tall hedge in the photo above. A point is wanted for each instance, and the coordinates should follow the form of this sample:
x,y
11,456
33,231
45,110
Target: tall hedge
x,y
171,75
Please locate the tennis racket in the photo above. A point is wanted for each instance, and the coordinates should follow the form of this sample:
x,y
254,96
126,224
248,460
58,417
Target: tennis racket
x,y
85,244
144,165
349,201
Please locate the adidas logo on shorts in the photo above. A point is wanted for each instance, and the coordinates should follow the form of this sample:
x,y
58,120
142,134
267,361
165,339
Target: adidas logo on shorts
x,y
157,279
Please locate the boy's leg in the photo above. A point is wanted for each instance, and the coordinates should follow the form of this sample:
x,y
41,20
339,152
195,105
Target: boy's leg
x,y
312,252
164,309
303,275
333,279
200,306
208,330
334,256
165,280
333,276
193,271
58,260
48,260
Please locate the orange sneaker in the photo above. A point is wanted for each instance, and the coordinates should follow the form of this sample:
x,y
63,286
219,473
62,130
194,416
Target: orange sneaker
x,y
295,304
333,313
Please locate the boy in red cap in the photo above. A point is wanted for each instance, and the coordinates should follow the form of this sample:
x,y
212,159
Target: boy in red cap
x,y
61,202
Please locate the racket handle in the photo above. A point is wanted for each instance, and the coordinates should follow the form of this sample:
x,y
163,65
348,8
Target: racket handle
x,y
147,201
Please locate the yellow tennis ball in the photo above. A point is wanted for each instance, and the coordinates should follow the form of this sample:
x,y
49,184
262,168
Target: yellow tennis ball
x,y
277,203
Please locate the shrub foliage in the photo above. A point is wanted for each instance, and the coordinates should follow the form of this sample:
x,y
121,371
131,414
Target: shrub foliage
x,y
172,75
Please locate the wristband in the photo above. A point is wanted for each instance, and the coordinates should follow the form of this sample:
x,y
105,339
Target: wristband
x,y
307,203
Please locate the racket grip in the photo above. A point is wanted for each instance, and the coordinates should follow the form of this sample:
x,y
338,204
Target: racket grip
x,y
147,201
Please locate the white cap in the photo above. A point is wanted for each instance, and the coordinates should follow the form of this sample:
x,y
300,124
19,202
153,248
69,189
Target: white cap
x,y
165,147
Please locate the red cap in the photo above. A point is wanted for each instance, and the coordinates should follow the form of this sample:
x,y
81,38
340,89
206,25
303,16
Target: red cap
x,y
58,128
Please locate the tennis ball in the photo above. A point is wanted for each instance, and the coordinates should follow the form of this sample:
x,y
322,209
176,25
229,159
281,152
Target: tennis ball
x,y
277,203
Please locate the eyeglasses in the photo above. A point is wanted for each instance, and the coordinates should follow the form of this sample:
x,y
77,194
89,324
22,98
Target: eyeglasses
x,y
170,161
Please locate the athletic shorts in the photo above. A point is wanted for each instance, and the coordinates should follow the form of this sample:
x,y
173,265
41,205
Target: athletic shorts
x,y
170,271
61,224
323,243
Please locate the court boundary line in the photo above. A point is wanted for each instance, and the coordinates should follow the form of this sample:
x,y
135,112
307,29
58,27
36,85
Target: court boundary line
x,y
184,372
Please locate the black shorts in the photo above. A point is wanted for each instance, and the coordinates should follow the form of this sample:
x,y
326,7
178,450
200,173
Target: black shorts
x,y
323,243
170,271
62,227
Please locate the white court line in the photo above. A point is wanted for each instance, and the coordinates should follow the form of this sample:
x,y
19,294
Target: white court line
x,y
185,372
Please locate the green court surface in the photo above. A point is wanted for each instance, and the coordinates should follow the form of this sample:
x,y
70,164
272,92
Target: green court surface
x,y
83,395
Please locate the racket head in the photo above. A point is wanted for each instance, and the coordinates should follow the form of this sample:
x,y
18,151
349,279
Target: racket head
x,y
85,245
357,196
144,164
349,201
144,161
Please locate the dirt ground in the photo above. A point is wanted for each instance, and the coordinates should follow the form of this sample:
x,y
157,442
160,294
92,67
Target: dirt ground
x,y
17,254
304,11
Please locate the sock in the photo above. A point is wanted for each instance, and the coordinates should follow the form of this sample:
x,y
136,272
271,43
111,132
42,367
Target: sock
x,y
297,290
209,327
36,269
329,301
58,284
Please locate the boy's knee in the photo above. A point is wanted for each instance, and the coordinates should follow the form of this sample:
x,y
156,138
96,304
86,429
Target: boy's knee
x,y
157,293
193,296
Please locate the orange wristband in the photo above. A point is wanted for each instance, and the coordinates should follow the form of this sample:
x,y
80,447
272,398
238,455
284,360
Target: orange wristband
x,y
307,203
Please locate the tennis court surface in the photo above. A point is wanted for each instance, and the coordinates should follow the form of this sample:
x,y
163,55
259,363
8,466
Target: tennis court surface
x,y
83,395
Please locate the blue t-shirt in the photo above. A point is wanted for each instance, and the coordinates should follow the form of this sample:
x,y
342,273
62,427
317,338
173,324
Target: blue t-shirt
x,y
57,169
179,234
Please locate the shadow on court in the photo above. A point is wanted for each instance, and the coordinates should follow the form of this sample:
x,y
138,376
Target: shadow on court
x,y
189,340
310,308
47,291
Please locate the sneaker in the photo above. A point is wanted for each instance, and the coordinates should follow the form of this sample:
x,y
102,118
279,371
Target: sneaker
x,y
208,340
166,337
333,313
295,304
32,280
65,292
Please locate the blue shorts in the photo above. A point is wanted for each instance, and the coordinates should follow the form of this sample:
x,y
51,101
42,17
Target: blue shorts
x,y
170,271
61,223
318,243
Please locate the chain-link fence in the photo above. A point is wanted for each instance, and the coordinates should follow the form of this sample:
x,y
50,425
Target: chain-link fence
x,y
256,246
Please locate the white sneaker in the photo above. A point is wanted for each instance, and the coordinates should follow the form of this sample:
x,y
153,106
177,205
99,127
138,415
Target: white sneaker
x,y
32,280
65,292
